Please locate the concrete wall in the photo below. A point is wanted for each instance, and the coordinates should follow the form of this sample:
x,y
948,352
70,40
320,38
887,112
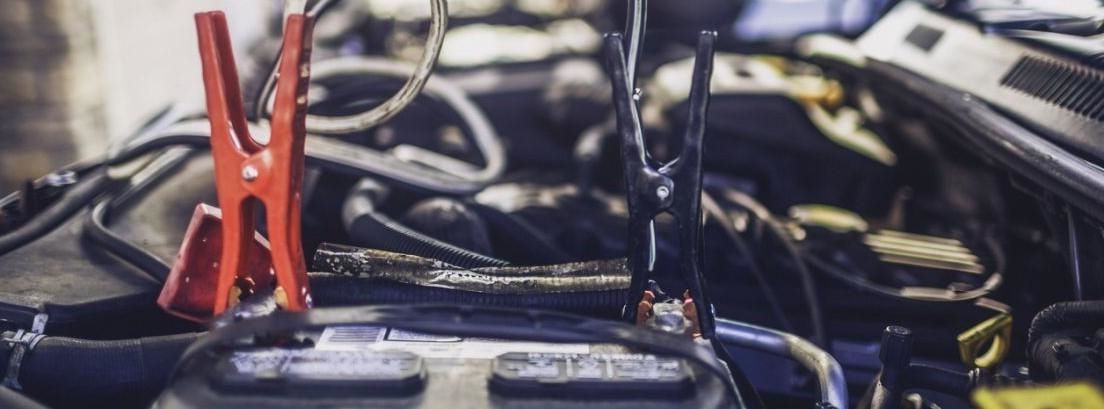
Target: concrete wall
x,y
50,86
76,75
148,52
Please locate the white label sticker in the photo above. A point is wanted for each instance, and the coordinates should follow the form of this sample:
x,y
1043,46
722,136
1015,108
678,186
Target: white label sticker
x,y
360,338
402,335
350,337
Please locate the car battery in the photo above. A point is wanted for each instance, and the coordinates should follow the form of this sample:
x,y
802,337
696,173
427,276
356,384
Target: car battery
x,y
372,366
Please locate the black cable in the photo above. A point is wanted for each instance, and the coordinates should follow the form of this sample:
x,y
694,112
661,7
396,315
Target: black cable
x,y
94,369
260,101
416,80
808,282
712,209
526,239
80,168
11,399
93,181
367,226
73,201
749,396
417,173
96,230
1059,342
96,223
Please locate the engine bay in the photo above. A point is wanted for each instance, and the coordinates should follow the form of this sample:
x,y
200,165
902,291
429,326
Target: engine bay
x,y
564,204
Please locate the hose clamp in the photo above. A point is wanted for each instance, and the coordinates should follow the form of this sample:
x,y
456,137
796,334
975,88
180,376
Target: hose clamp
x,y
22,342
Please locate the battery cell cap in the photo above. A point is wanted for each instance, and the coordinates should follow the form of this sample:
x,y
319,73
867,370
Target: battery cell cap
x,y
621,376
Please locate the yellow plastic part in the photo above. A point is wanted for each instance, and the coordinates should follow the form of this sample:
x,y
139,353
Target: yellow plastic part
x,y
829,217
996,331
1068,396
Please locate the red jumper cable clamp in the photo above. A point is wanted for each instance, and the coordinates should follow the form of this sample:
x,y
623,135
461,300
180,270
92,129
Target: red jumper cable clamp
x,y
220,261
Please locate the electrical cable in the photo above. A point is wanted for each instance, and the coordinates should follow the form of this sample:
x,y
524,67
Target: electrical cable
x,y
527,240
332,125
589,146
74,200
260,102
367,226
160,119
416,170
808,282
483,134
96,222
93,180
635,22
748,395
713,210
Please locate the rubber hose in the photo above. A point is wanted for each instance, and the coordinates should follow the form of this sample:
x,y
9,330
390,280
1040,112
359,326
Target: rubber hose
x,y
1066,359
449,221
75,199
370,228
331,290
1066,315
98,219
95,229
1052,352
10,399
527,240
95,369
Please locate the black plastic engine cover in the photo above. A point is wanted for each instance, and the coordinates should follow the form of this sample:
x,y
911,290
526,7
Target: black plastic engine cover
x,y
85,290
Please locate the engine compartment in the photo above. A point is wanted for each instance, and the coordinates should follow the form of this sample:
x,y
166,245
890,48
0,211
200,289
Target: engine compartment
x,y
861,244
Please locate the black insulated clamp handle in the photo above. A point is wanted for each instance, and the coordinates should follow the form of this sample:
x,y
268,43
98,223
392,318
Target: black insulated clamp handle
x,y
674,187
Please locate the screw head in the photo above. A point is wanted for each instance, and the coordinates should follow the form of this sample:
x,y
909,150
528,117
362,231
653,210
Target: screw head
x,y
662,192
250,173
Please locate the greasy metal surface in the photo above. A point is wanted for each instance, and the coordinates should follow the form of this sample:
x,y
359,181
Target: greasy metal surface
x,y
598,275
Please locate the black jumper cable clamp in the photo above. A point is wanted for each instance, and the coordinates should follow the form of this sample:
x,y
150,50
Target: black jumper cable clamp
x,y
654,188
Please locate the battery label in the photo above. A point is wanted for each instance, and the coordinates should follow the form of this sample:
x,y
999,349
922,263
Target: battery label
x,y
611,375
368,338
310,370
314,364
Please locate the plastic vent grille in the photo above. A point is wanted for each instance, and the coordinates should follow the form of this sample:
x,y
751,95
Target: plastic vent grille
x,y
1074,88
